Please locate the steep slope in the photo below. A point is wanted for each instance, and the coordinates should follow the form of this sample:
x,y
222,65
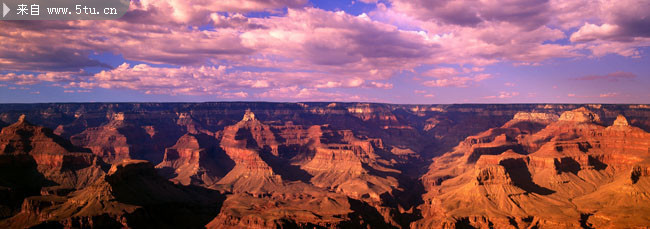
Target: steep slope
x,y
195,159
261,197
130,136
43,160
558,176
130,195
348,165
332,165
107,141
245,143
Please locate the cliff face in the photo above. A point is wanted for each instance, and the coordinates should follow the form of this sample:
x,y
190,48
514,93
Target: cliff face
x,y
565,175
35,160
131,194
268,165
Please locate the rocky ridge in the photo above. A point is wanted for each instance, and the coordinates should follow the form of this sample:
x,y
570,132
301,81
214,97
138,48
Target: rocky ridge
x,y
264,165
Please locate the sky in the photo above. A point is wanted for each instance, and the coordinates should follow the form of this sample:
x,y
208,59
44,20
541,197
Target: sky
x,y
386,51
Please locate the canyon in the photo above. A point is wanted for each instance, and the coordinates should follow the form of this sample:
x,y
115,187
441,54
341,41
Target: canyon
x,y
324,165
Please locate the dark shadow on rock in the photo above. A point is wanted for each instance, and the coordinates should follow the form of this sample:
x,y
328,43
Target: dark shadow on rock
x,y
290,224
173,215
528,127
18,174
280,166
364,216
567,164
463,223
521,177
164,204
584,217
48,225
284,168
64,142
146,147
597,164
218,157
408,198
477,152
167,172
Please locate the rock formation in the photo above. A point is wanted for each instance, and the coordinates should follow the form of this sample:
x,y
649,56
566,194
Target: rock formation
x,y
574,172
324,165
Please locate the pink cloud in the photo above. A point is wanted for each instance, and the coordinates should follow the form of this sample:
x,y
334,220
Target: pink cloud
x,y
196,12
441,73
471,13
614,76
607,95
305,94
602,95
620,27
314,50
503,95
450,77
338,43
380,85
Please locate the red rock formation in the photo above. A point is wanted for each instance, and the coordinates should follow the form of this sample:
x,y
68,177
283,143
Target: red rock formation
x,y
568,175
131,194
106,141
195,159
332,165
67,165
243,143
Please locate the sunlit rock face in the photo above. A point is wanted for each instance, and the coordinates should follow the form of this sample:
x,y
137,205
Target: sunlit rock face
x,y
574,165
324,165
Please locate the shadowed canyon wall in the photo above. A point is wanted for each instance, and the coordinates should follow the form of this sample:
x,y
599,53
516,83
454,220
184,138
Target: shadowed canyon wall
x,y
329,165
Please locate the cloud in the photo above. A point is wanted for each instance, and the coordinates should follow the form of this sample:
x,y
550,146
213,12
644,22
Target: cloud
x,y
76,91
450,77
294,93
603,95
31,79
471,13
380,85
622,20
338,43
220,81
619,27
503,95
614,76
608,95
196,12
441,73
219,48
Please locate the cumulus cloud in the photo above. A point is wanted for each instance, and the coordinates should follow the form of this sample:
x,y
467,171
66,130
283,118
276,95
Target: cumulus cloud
x,y
471,12
196,12
31,79
301,52
339,43
620,27
220,81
